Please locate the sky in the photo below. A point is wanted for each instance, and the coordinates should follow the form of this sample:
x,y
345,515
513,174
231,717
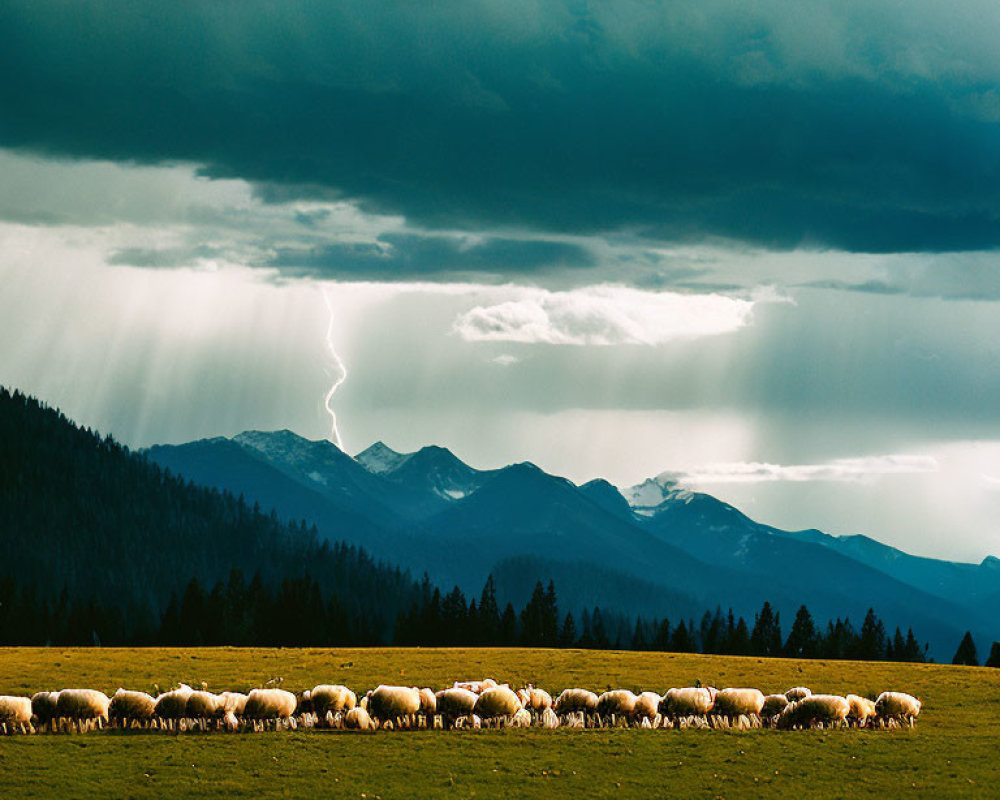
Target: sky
x,y
748,246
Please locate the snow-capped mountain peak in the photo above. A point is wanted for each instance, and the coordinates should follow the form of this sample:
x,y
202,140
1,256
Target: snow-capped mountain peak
x,y
645,497
380,458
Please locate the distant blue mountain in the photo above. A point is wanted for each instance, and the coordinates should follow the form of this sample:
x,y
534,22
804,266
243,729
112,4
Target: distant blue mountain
x,y
656,547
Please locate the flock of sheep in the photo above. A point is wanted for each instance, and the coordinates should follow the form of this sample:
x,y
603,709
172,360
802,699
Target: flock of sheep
x,y
467,704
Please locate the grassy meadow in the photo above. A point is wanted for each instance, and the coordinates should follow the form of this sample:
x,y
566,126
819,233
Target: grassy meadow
x,y
954,752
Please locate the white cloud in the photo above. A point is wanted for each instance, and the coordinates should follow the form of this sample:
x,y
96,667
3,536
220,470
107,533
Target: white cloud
x,y
603,315
505,360
839,470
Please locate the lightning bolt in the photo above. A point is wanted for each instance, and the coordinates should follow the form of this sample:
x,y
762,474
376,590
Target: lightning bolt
x,y
340,375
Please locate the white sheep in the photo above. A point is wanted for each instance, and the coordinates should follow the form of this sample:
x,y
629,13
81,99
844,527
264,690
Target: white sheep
x,y
203,705
15,710
815,708
797,693
270,704
498,701
131,705
572,700
536,700
548,719
477,687
897,705
618,702
357,719
394,702
862,709
428,702
647,705
234,703
774,704
736,702
689,701
173,704
43,706
334,698
455,702
82,704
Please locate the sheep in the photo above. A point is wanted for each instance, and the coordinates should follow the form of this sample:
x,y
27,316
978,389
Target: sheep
x,y
335,698
477,687
797,693
617,703
571,700
897,705
521,719
548,719
234,703
269,704
647,705
536,700
126,705
15,710
43,706
357,719
862,709
736,702
82,704
497,702
690,701
774,704
202,705
428,702
815,708
173,704
455,702
393,702
303,703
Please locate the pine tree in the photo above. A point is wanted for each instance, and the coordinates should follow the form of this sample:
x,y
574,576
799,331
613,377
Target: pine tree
x,y
871,645
994,659
682,641
508,627
966,653
489,613
567,637
802,639
765,640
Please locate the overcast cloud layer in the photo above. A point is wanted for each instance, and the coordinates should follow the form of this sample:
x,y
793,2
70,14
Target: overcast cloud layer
x,y
858,126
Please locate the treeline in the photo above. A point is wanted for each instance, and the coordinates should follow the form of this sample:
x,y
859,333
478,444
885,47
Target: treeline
x,y
449,620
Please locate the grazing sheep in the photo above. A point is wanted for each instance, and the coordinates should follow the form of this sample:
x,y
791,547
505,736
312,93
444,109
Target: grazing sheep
x,y
497,702
303,703
736,702
173,704
898,705
15,710
336,699
478,687
690,701
234,703
571,700
548,719
456,702
797,693
393,702
862,709
202,705
357,719
647,705
82,704
269,704
131,705
774,704
815,708
620,702
536,700
471,721
428,702
43,706
521,719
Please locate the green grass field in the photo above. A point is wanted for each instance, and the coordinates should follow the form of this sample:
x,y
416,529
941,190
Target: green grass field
x,y
953,753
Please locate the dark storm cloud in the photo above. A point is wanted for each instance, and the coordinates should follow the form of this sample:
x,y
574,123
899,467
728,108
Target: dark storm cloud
x,y
822,125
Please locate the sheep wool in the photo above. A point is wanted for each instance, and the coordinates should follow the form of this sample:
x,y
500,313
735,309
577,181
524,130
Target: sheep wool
x,y
647,705
335,698
15,710
357,719
270,704
499,701
131,705
734,702
173,704
549,719
202,705
797,693
82,704
392,702
815,708
428,702
571,700
688,701
234,703
774,704
620,702
897,704
861,707
43,705
533,699
455,702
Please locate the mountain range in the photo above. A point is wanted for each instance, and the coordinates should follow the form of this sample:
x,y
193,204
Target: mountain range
x,y
654,549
